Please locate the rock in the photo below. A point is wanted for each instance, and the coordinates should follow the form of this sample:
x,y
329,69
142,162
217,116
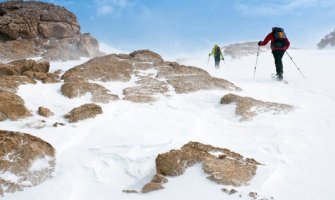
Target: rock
x,y
153,76
253,195
32,28
146,56
38,124
159,178
12,83
187,79
106,68
19,155
12,107
152,186
222,165
45,112
328,40
230,192
146,90
247,107
77,89
130,191
58,124
84,112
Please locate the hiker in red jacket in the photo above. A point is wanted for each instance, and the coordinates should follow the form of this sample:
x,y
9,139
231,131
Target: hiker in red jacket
x,y
279,44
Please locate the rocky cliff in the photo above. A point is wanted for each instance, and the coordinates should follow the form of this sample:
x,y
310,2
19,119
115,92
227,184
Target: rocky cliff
x,y
32,28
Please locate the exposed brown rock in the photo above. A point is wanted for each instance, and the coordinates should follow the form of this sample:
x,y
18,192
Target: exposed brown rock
x,y
146,90
18,153
12,107
83,112
154,76
247,107
222,165
20,72
77,89
58,124
31,28
152,186
253,195
146,56
187,79
45,112
12,83
106,68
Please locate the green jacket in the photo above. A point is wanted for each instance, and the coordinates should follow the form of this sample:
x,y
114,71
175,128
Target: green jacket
x,y
215,53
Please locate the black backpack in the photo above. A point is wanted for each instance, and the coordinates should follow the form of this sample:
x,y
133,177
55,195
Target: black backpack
x,y
217,52
280,38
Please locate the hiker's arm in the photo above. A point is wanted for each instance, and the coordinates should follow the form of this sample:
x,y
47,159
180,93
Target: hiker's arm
x,y
221,55
266,40
288,43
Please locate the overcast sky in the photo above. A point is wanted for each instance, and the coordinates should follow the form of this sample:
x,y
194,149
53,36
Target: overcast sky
x,y
181,25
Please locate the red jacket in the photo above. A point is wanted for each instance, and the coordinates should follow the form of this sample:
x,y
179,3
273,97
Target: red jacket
x,y
272,38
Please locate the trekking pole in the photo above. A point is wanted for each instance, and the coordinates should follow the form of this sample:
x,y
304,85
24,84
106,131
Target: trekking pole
x,y
295,65
256,63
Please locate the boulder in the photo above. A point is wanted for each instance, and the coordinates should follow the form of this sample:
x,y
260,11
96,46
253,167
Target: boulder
x,y
247,107
77,89
105,68
45,112
12,107
328,40
28,159
221,165
83,112
148,74
32,28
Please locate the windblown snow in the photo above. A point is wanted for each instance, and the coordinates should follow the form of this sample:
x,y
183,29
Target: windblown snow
x,y
98,158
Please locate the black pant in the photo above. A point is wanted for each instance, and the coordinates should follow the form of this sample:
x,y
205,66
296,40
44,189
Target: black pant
x,y
217,62
278,55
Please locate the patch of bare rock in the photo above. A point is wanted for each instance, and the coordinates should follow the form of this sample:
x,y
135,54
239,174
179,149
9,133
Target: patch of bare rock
x,y
82,112
79,88
32,28
153,76
45,112
221,165
247,107
20,72
12,107
27,158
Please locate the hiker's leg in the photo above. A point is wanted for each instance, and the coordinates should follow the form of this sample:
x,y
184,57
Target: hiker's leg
x,y
278,55
217,62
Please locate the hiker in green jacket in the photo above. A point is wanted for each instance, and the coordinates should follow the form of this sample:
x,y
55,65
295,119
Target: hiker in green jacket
x,y
216,52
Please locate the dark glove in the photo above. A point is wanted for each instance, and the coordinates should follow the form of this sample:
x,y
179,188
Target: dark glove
x,y
209,54
259,43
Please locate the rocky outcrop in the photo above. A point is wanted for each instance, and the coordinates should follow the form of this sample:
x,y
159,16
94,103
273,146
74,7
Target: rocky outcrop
x,y
12,107
328,40
45,112
247,107
31,28
221,165
25,161
83,112
239,50
18,72
79,88
153,77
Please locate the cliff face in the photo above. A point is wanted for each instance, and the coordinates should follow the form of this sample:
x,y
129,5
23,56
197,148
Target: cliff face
x,y
328,40
31,28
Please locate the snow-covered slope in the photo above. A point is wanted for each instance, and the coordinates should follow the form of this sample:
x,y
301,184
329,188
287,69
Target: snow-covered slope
x,y
100,157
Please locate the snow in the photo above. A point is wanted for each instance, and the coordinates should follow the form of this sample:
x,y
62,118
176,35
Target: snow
x,y
98,158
